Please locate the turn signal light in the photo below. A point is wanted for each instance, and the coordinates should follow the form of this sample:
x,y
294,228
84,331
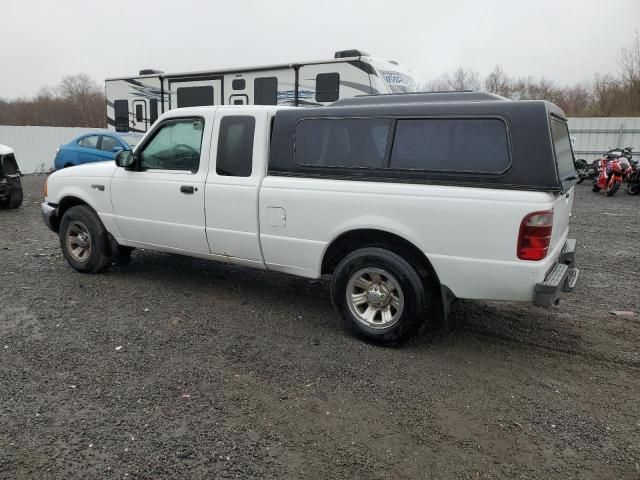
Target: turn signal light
x,y
535,235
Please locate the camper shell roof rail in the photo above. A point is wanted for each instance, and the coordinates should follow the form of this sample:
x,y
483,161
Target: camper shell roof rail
x,y
419,97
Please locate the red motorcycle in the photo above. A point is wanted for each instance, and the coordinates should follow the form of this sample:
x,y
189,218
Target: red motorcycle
x,y
614,167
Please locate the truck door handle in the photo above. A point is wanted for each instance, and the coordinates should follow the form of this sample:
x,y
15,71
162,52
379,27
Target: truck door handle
x,y
187,189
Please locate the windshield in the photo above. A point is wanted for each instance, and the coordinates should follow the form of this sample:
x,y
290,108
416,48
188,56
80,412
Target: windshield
x,y
562,147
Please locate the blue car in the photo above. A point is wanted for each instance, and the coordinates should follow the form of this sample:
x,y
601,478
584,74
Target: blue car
x,y
94,147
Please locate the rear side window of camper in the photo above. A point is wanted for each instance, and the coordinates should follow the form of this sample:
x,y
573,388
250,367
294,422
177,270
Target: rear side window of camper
x,y
478,145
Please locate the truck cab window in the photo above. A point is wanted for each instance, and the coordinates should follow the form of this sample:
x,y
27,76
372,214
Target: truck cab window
x,y
235,146
327,87
175,146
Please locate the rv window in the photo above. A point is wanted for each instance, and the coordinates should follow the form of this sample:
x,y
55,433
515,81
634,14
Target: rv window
x,y
175,146
235,146
327,87
139,114
347,142
457,145
562,147
89,142
195,96
238,84
265,91
153,107
121,114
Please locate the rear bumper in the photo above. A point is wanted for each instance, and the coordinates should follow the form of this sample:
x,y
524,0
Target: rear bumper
x,y
50,216
560,278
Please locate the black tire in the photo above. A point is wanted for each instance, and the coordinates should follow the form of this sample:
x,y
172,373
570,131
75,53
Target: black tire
x,y
417,298
79,220
633,188
614,188
14,200
595,188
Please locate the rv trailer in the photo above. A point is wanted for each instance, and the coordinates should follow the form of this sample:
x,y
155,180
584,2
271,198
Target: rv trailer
x,y
134,103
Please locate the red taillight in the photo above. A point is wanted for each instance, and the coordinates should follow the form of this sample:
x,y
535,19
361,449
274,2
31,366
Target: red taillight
x,y
535,235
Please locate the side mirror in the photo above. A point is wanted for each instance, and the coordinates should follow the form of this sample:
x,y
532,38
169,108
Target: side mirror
x,y
117,149
125,158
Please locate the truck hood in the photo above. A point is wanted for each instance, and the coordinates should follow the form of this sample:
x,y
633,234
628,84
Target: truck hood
x,y
93,170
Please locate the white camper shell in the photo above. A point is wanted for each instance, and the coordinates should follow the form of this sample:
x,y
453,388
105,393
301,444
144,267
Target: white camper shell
x,y
134,103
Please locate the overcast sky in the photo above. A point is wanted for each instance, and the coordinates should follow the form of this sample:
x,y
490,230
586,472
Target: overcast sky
x,y
563,40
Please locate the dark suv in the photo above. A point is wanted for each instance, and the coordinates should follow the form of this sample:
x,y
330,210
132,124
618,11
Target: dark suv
x,y
10,184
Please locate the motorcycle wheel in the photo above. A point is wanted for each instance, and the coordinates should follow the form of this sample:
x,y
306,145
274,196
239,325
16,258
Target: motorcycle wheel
x,y
633,188
611,191
595,188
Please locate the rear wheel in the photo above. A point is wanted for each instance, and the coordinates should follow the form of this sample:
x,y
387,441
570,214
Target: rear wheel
x,y
84,240
380,296
613,188
634,187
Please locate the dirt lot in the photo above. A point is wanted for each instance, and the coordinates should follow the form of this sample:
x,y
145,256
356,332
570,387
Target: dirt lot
x,y
179,368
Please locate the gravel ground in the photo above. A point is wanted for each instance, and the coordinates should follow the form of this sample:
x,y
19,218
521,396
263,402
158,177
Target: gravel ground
x,y
178,368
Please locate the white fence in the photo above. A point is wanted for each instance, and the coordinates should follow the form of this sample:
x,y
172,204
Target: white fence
x,y
35,147
593,136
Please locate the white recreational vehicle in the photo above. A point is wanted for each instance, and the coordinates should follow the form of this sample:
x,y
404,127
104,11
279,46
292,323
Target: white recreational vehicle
x,y
134,103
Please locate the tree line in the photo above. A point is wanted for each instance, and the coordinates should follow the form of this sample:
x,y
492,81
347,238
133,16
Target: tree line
x,y
78,101
607,95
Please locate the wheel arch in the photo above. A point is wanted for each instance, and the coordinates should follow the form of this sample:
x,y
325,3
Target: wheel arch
x,y
354,239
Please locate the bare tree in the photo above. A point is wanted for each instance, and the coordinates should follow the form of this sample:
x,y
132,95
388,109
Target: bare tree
x,y
463,79
629,63
498,82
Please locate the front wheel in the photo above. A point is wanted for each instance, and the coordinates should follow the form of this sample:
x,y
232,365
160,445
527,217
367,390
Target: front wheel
x,y
84,240
380,296
613,188
14,199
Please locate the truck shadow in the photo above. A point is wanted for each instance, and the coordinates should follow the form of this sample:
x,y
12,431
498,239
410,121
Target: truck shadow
x,y
488,323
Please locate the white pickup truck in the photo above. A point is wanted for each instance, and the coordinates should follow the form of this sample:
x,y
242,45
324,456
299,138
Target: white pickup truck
x,y
408,201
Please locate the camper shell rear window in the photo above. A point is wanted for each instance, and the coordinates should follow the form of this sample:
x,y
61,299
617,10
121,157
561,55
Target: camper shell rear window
x,y
563,149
